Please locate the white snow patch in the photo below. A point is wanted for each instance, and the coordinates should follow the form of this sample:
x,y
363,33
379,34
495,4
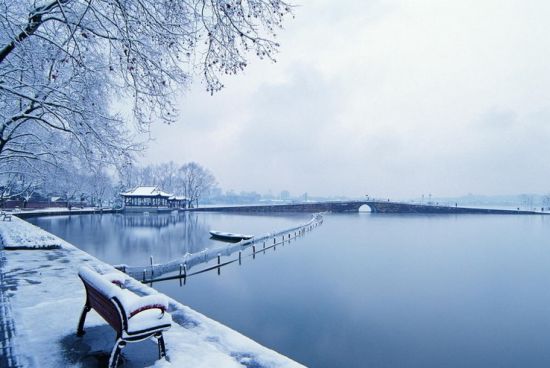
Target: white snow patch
x,y
19,234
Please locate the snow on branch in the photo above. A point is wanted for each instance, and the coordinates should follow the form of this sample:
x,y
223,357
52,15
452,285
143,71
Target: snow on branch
x,y
64,62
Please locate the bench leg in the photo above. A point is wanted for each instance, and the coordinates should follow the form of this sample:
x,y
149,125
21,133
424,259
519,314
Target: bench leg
x,y
162,348
115,354
80,330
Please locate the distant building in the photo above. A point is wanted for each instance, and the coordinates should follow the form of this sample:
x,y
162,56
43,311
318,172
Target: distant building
x,y
151,198
178,202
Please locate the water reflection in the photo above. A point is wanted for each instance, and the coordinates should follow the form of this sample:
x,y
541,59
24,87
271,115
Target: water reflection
x,y
370,290
147,220
152,271
363,290
233,252
132,238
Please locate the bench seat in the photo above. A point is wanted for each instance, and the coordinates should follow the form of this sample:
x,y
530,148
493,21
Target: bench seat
x,y
147,317
148,320
133,317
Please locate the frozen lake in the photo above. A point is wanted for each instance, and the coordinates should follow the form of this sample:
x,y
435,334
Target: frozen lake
x,y
362,290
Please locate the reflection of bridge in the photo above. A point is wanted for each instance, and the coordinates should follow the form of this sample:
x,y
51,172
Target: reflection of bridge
x,y
353,206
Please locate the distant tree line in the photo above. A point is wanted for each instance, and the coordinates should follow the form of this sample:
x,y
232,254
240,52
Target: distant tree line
x,y
190,180
76,186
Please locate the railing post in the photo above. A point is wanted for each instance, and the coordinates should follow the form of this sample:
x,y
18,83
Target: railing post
x,y
239,258
185,273
219,264
253,252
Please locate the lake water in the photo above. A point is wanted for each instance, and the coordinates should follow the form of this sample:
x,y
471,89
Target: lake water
x,y
362,290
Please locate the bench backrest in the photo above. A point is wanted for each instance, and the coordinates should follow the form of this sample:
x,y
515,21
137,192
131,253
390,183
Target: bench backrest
x,y
101,295
104,307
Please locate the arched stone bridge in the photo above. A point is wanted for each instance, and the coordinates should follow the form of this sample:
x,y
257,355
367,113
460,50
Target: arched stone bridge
x,y
353,206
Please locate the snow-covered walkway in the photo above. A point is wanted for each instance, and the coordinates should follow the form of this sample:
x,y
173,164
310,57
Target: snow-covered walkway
x,y
41,298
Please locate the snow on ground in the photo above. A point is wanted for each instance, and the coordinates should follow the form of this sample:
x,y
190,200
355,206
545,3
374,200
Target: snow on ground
x,y
56,209
45,297
18,234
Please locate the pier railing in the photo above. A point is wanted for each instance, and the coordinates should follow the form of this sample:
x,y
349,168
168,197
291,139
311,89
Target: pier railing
x,y
182,266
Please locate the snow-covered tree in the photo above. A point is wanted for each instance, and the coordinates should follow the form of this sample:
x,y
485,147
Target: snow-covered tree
x,y
196,181
67,182
20,179
17,185
63,63
99,187
167,175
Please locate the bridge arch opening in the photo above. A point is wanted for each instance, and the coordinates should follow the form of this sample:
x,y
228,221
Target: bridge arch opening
x,y
365,208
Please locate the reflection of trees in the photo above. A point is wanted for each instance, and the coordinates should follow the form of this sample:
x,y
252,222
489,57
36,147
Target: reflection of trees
x,y
146,220
195,233
131,238
166,236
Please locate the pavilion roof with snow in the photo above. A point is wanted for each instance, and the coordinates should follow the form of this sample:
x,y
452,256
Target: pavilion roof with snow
x,y
146,191
148,197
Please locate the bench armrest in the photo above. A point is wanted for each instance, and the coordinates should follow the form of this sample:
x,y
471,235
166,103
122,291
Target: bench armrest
x,y
116,278
156,301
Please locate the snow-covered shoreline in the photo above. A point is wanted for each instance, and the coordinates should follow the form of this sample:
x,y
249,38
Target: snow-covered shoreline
x,y
17,234
45,297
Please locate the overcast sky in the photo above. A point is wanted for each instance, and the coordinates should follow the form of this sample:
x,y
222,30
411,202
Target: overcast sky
x,y
392,98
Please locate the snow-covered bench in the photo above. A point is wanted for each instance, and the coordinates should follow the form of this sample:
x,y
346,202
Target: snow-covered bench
x,y
133,317
5,216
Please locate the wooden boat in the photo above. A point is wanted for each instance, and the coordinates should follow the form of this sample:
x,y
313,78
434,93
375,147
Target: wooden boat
x,y
220,235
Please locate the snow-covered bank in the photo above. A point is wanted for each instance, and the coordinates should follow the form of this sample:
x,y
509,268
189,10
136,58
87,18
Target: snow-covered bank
x,y
18,234
61,211
45,296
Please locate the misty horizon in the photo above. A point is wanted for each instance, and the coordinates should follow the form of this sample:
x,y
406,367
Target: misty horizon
x,y
392,99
